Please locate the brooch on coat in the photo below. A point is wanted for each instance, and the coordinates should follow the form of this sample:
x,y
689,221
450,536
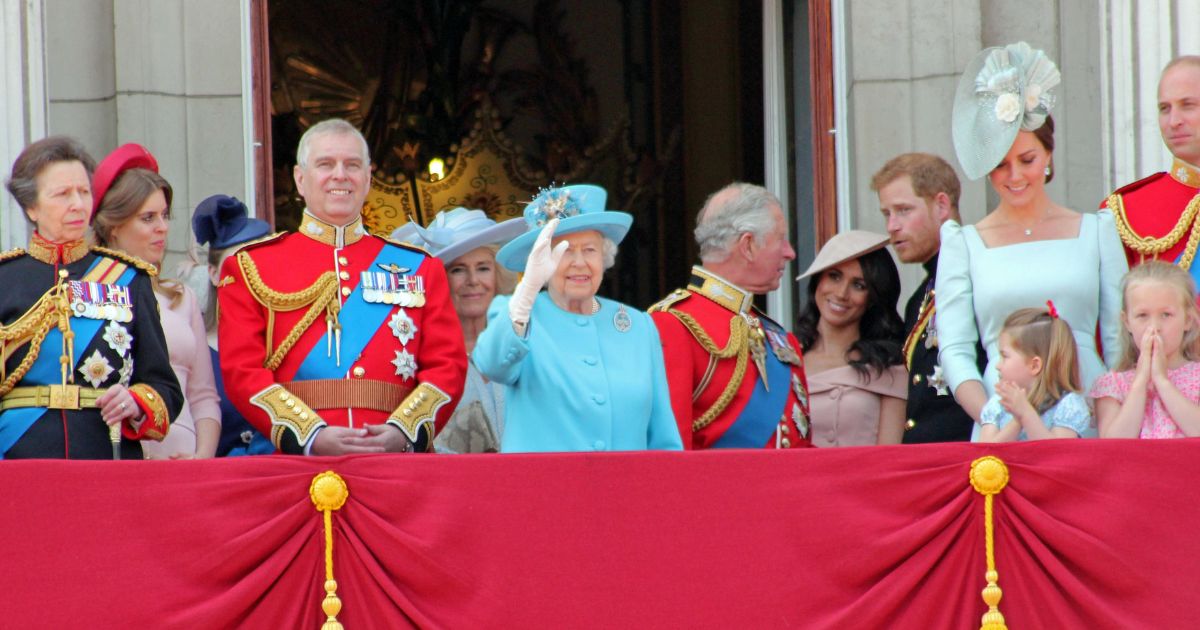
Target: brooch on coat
x,y
621,320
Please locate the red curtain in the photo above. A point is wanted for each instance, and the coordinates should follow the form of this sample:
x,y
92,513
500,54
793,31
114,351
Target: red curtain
x,y
1089,533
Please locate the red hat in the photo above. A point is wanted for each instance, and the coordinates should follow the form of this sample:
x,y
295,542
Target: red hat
x,y
123,158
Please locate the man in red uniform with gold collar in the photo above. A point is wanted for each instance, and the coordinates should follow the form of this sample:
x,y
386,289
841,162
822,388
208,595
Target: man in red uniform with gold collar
x,y
333,340
736,377
1157,216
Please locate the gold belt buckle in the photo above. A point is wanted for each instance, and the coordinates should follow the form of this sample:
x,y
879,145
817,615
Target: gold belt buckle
x,y
64,397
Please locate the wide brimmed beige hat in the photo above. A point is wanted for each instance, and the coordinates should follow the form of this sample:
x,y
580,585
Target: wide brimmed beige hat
x,y
845,246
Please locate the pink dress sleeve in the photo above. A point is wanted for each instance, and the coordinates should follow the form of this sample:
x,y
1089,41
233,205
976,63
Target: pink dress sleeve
x,y
201,394
1113,385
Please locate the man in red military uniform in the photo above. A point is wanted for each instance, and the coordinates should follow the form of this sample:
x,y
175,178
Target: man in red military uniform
x,y
1157,216
333,340
736,377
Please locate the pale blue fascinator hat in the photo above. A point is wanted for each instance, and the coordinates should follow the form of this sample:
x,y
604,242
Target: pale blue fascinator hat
x,y
455,232
1001,92
578,208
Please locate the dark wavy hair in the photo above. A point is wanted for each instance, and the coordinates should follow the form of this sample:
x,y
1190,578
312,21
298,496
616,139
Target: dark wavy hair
x,y
881,331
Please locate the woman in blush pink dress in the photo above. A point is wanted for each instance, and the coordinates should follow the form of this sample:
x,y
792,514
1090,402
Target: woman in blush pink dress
x,y
133,209
851,335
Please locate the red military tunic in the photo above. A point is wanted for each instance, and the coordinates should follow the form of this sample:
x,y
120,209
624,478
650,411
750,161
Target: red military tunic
x,y
1149,209
307,339
717,389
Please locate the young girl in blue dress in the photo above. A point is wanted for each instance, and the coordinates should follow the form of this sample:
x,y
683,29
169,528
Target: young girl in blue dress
x,y
1038,395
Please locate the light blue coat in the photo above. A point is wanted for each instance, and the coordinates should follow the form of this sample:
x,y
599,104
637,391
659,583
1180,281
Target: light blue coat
x,y
578,382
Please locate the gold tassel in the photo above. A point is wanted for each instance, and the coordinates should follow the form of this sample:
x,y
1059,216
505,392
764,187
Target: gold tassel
x,y
329,493
989,475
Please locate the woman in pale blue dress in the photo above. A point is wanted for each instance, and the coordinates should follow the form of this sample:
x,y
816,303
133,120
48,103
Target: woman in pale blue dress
x,y
1028,249
583,373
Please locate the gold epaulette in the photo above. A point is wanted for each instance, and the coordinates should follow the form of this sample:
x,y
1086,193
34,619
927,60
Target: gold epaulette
x,y
126,257
260,240
320,296
678,295
408,246
15,252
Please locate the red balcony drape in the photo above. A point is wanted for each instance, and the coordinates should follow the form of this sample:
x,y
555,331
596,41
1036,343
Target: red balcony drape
x,y
1089,533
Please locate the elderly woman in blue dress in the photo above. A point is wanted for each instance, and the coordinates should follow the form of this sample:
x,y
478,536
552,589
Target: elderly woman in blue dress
x,y
467,241
583,373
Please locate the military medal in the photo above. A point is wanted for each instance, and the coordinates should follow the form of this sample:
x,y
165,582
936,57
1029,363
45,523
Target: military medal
x,y
406,364
782,349
758,348
800,419
938,381
621,320
118,338
95,300
798,390
95,369
402,327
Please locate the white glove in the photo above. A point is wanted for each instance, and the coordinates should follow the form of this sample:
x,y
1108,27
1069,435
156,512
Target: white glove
x,y
540,266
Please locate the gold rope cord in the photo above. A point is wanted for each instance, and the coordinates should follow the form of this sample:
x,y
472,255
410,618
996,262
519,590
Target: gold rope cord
x,y
328,492
1150,246
52,309
738,344
321,295
988,476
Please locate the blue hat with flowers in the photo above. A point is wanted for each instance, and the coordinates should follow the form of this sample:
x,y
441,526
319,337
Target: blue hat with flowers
x,y
578,208
1001,92
220,222
455,232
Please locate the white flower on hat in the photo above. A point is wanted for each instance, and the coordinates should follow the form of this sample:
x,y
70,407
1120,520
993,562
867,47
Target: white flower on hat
x,y
1032,94
1008,107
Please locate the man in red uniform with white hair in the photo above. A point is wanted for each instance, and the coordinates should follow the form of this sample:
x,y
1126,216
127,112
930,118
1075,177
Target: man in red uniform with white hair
x,y
332,340
736,377
1157,216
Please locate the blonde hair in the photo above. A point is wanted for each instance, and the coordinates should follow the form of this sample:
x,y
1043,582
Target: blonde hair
x,y
1170,275
1034,332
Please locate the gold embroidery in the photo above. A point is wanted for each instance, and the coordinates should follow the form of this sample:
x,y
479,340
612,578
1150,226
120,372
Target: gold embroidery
x,y
321,295
419,408
329,234
16,252
47,252
159,418
129,258
287,413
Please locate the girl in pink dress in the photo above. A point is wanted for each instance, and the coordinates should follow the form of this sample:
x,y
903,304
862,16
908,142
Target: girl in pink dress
x,y
1156,391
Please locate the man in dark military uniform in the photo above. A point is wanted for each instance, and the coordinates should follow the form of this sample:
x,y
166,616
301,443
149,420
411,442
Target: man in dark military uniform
x,y
332,340
917,193
1156,216
736,377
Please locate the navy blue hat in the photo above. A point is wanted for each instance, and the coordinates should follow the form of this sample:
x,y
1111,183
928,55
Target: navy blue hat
x,y
220,221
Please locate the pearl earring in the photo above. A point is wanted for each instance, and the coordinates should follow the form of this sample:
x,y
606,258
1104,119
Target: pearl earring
x,y
1047,171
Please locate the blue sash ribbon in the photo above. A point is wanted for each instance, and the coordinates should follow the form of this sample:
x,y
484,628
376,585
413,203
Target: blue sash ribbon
x,y
759,418
360,321
46,370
